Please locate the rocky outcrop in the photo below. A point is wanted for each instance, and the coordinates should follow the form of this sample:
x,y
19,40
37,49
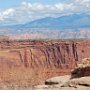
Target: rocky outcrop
x,y
84,63
82,69
82,82
81,72
58,80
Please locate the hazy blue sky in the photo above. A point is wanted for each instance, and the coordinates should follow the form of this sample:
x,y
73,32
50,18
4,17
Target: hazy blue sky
x,y
22,11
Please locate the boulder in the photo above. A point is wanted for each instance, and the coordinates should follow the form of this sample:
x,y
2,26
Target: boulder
x,y
82,69
80,72
83,81
58,80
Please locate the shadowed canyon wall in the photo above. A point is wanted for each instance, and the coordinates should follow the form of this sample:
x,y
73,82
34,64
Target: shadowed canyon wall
x,y
31,62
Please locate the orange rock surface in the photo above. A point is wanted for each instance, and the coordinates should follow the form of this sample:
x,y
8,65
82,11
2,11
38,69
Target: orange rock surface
x,y
32,62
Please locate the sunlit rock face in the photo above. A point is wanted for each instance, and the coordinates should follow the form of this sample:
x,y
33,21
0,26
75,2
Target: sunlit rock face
x,y
32,62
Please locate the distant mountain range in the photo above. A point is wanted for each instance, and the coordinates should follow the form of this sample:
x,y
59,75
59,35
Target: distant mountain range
x,y
70,26
63,22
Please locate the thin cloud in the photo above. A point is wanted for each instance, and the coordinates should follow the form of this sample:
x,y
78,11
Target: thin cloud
x,y
27,12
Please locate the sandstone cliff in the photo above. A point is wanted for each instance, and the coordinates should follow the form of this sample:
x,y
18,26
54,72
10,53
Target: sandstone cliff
x,y
32,62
